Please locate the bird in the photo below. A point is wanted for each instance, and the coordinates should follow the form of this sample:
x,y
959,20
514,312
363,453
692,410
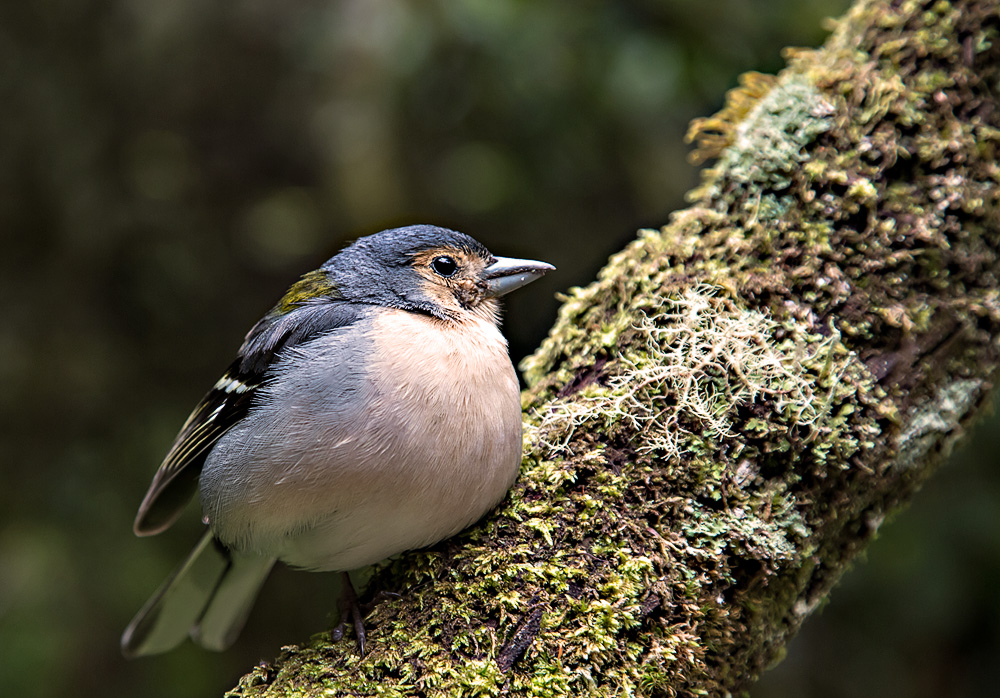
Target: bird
x,y
373,410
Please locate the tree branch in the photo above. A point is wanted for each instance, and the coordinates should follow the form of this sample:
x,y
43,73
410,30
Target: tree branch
x,y
717,426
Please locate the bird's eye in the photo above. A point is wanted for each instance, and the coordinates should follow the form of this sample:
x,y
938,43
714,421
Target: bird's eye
x,y
445,266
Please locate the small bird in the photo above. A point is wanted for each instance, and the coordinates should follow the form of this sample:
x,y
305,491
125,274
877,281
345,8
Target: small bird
x,y
373,410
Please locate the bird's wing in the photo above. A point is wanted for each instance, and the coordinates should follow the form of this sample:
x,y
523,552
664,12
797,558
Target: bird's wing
x,y
229,401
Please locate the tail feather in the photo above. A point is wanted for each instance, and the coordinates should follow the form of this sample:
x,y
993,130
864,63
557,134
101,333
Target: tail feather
x,y
208,597
227,612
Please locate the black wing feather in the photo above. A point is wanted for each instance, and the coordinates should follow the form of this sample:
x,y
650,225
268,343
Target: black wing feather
x,y
229,401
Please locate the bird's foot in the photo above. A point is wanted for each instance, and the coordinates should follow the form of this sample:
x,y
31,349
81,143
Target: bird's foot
x,y
350,609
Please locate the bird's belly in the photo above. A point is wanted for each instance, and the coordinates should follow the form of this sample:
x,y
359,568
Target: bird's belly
x,y
421,496
433,442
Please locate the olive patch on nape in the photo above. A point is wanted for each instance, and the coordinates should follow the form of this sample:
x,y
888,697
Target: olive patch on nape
x,y
313,285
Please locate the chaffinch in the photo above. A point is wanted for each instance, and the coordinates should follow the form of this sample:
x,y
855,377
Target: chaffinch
x,y
373,410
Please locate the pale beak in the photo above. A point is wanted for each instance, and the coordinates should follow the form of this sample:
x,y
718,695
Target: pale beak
x,y
506,274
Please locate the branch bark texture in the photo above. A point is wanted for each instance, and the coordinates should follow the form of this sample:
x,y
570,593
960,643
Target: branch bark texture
x,y
716,427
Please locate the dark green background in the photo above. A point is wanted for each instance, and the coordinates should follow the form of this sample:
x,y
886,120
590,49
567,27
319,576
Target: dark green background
x,y
168,168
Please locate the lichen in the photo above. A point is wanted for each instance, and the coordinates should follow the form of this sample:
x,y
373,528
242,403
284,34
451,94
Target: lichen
x,y
692,360
769,143
936,419
712,135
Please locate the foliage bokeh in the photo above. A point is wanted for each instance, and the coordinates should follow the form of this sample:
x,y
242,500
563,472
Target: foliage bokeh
x,y
167,169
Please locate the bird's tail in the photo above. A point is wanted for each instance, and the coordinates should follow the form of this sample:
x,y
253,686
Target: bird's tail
x,y
208,597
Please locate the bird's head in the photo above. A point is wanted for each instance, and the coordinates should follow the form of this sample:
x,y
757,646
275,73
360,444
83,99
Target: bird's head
x,y
419,268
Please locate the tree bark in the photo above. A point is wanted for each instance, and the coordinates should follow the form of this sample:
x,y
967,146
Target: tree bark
x,y
719,423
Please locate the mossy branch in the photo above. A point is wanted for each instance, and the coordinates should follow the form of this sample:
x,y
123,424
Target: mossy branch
x,y
717,426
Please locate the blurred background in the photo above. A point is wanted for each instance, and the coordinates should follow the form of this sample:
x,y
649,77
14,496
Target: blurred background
x,y
167,169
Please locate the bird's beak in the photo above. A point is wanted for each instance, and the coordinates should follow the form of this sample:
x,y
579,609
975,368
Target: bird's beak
x,y
506,274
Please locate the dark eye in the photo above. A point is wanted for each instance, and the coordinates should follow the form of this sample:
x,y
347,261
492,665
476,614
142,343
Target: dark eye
x,y
445,266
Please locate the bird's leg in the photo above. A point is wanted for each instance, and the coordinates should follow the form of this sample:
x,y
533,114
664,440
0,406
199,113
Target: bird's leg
x,y
349,608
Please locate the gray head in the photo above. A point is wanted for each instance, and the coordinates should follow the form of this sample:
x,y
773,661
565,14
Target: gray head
x,y
427,269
